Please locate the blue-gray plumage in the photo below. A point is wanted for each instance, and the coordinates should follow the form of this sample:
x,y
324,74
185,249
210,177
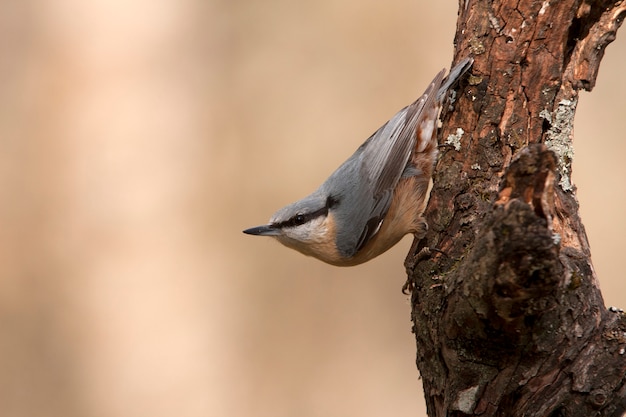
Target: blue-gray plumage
x,y
376,196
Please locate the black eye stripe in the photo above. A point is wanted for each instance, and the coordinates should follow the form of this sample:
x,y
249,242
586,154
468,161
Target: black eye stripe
x,y
302,218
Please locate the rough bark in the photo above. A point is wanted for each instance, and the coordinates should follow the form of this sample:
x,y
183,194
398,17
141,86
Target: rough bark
x,y
508,317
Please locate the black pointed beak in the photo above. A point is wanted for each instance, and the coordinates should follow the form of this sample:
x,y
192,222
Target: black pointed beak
x,y
265,230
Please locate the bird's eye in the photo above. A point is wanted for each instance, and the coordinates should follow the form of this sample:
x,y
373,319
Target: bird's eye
x,y
299,219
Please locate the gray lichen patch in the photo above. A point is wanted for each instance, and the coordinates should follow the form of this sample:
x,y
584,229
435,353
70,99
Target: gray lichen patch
x,y
455,139
559,138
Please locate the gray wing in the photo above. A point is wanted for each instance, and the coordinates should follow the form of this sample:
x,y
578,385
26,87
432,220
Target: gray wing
x,y
385,155
366,181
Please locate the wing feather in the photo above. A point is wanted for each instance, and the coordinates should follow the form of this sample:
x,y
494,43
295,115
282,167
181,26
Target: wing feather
x,y
366,181
386,155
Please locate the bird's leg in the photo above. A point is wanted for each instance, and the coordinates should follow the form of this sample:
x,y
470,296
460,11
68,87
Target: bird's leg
x,y
422,252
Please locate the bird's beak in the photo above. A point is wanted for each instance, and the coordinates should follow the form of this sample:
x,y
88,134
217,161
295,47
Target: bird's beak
x,y
265,230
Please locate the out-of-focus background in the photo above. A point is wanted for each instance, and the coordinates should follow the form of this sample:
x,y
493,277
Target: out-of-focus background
x,y
138,138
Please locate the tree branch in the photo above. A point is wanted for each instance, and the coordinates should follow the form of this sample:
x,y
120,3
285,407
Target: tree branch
x,y
509,320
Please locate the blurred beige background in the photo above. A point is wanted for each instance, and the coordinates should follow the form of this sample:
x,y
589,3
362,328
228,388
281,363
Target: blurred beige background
x,y
137,140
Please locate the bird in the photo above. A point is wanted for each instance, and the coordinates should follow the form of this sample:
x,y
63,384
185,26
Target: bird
x,y
378,195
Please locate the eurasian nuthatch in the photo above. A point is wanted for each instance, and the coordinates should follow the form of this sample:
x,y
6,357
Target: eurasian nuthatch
x,y
378,195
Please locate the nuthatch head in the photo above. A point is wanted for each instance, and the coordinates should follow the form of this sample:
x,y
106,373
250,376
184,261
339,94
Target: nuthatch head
x,y
375,197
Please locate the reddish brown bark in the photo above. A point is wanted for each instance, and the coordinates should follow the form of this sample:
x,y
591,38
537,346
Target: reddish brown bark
x,y
509,320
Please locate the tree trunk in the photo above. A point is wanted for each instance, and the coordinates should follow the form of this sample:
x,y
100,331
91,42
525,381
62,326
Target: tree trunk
x,y
507,312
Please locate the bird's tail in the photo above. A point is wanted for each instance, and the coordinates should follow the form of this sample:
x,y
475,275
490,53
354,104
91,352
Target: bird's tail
x,y
455,74
426,147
